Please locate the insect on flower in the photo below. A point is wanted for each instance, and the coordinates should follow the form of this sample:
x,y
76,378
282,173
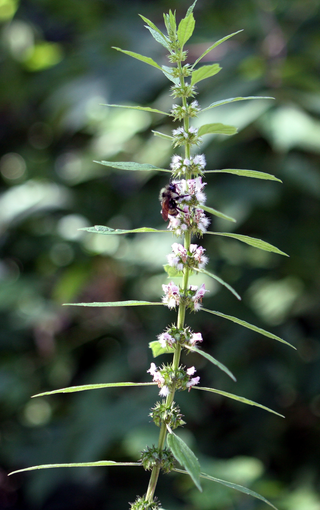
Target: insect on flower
x,y
168,198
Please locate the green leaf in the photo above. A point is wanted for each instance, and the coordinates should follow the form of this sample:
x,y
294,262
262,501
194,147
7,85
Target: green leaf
x,y
190,10
185,457
248,326
185,29
218,279
100,229
168,72
132,166
215,212
172,272
217,128
232,100
77,464
157,349
142,108
156,33
254,174
87,387
146,60
162,135
239,399
251,241
115,303
211,359
231,485
214,46
204,72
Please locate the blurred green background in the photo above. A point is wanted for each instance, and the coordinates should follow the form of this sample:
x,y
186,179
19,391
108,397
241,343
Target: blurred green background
x,y
57,68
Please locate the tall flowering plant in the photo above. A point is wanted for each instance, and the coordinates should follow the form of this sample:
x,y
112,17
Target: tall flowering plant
x,y
183,206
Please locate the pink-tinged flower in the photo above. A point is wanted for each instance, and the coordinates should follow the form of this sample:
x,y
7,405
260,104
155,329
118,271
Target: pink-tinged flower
x,y
164,392
196,337
166,340
172,296
193,382
153,368
191,370
157,377
197,298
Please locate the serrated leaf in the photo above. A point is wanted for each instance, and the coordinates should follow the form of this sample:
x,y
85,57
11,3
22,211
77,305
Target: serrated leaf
x,y
248,326
204,72
157,349
98,463
185,457
217,128
101,229
190,10
142,108
214,46
251,241
254,174
238,399
146,60
185,29
216,213
168,72
172,272
88,387
232,100
162,135
113,304
231,485
218,279
211,359
131,166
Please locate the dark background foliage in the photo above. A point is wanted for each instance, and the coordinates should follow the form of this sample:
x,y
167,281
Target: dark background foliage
x,y
57,67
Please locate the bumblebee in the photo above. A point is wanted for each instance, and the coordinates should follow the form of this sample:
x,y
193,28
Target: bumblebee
x,y
168,198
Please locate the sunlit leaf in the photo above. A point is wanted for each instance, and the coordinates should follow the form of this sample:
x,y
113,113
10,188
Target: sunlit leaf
x,y
245,173
239,399
252,241
214,46
248,326
156,33
190,10
231,485
216,213
172,272
146,60
98,463
217,128
88,387
233,100
142,108
101,229
185,29
185,457
113,304
168,72
132,166
218,279
157,349
211,359
204,72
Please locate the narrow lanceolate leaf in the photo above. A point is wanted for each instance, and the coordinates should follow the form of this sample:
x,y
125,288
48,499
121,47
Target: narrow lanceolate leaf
x,y
146,60
185,29
216,213
252,241
239,399
87,387
101,229
162,135
204,72
142,108
132,166
217,128
156,33
185,457
218,279
211,359
231,485
190,10
214,46
248,326
113,304
233,100
157,349
254,174
99,463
